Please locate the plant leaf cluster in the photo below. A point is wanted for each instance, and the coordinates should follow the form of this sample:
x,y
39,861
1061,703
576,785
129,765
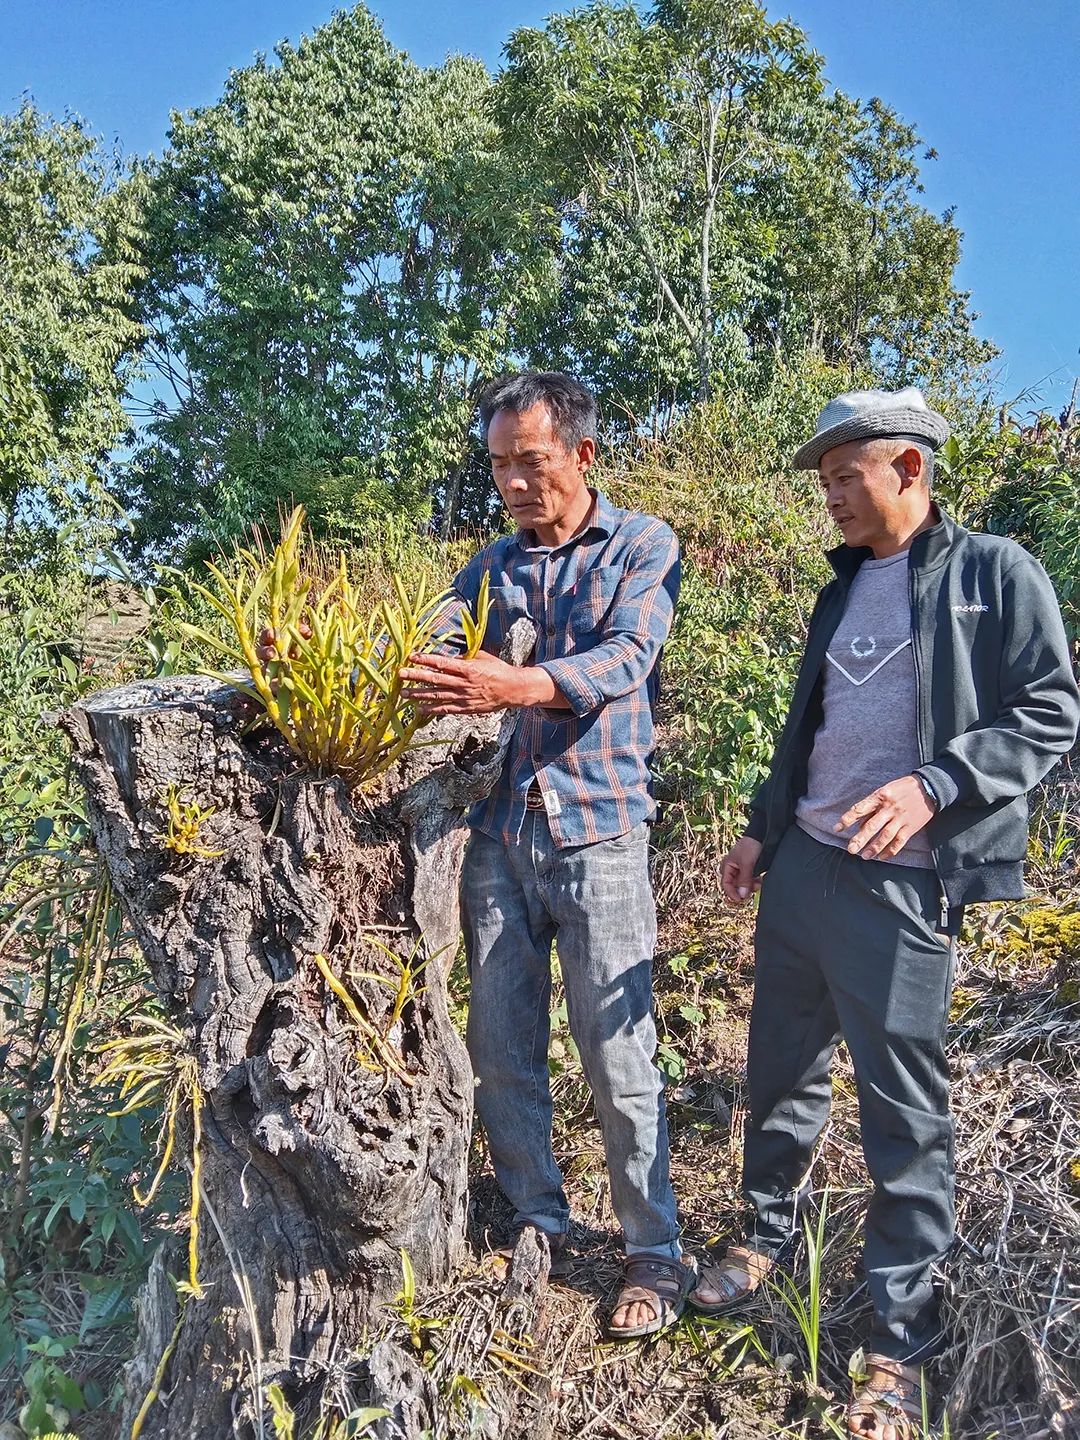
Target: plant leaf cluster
x,y
332,682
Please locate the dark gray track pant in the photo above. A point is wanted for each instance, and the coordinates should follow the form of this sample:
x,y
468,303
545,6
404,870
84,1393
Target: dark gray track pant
x,y
848,947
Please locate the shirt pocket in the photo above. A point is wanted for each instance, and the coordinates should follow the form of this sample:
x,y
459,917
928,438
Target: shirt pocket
x,y
586,605
508,603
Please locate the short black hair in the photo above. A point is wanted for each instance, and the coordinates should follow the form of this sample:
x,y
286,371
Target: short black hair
x,y
571,405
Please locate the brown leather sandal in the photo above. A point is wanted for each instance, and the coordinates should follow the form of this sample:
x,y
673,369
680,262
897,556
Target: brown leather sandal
x,y
735,1279
657,1281
889,1394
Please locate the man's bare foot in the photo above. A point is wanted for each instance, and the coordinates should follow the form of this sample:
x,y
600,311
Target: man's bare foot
x,y
652,1296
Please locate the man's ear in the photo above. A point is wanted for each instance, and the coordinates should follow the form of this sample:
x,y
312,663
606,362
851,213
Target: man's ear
x,y
586,453
911,466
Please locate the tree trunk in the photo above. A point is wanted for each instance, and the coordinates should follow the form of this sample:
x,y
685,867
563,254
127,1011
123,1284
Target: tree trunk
x,y
321,1158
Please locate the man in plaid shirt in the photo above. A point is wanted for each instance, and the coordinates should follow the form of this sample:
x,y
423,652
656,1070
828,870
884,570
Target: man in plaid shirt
x,y
560,848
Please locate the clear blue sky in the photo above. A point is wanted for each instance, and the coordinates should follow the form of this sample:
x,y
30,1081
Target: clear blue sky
x,y
992,85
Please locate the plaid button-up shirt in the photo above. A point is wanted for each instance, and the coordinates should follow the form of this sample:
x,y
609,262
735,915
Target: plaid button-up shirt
x,y
602,604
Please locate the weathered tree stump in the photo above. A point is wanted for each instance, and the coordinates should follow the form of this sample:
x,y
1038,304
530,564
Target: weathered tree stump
x,y
320,1162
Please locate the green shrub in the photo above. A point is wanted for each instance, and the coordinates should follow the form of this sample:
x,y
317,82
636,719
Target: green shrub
x,y
1023,481
728,689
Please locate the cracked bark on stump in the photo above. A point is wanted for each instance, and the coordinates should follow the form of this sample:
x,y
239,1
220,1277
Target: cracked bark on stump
x,y
316,1170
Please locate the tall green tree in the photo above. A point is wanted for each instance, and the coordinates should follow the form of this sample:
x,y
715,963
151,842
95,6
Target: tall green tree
x,y
68,339
345,247
476,276
266,270
721,207
859,269
652,130
333,270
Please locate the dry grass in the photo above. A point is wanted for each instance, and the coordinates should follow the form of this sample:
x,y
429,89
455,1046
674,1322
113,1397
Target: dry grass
x,y
1014,1294
1012,1286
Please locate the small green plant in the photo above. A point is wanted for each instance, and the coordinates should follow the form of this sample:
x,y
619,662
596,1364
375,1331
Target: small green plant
x,y
52,1396
330,1427
670,1062
1053,839
563,1055
417,1326
377,1052
326,674
186,819
721,1343
806,1312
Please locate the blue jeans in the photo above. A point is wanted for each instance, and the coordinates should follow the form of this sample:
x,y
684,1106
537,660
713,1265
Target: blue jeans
x,y
597,900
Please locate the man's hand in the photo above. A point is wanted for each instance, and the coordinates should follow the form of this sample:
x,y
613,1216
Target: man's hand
x,y
891,816
269,646
443,685
737,878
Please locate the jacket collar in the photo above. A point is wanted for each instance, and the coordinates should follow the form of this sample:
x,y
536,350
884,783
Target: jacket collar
x,y
928,550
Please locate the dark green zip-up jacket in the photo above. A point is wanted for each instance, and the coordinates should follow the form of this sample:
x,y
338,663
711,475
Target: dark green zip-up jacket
x,y
996,700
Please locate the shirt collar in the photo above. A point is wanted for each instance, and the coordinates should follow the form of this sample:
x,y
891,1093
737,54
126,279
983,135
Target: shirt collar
x,y
601,517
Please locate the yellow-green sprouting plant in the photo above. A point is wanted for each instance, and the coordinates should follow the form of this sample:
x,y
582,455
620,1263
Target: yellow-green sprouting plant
x,y
157,1066
332,681
330,1427
159,1370
807,1312
416,1325
186,819
377,1052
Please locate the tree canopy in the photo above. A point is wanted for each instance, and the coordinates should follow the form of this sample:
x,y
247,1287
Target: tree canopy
x,y
326,264
69,258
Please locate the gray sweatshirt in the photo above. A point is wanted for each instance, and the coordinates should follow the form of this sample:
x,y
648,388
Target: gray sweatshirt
x,y
869,732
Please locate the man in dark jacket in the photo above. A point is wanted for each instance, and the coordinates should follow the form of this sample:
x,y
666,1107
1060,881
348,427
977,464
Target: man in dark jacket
x,y
936,689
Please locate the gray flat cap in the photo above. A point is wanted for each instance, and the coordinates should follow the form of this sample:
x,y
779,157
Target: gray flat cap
x,y
867,414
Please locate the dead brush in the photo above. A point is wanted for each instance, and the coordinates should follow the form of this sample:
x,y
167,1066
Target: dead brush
x,y
1014,1291
331,685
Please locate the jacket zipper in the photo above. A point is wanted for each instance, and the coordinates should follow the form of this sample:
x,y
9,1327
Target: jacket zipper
x,y
943,914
